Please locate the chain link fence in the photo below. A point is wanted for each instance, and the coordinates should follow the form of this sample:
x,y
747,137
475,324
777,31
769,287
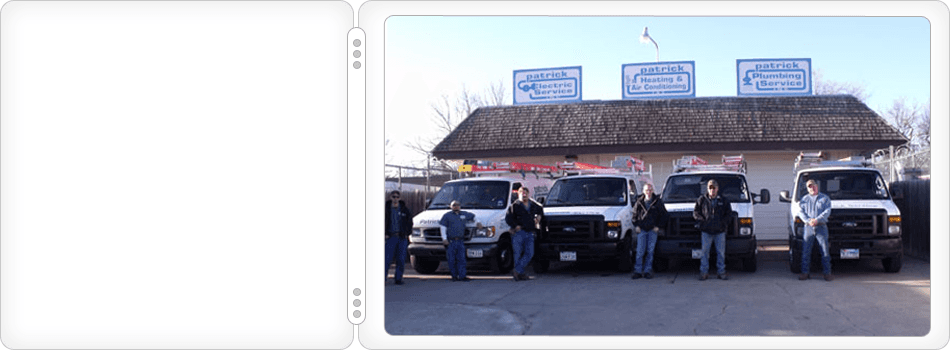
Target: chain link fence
x,y
903,163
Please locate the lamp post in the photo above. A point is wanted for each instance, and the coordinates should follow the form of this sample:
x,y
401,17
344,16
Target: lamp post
x,y
645,38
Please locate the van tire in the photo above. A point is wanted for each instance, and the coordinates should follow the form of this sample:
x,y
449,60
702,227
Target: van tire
x,y
626,254
504,261
893,264
750,264
424,266
661,264
794,260
541,265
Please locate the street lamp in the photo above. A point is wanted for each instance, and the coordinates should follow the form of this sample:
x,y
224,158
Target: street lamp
x,y
645,38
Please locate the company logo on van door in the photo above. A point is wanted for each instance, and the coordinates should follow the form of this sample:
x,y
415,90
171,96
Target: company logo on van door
x,y
547,85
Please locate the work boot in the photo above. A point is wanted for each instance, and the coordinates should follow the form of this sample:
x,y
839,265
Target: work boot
x,y
515,275
803,277
829,277
723,277
400,282
703,277
648,275
465,279
636,276
524,277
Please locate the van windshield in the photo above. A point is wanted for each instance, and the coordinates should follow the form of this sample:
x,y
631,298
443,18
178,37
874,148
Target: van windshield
x,y
472,195
846,184
587,192
686,188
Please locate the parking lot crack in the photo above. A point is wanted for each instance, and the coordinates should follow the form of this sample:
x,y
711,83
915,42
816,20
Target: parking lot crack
x,y
855,325
525,321
721,312
784,289
503,297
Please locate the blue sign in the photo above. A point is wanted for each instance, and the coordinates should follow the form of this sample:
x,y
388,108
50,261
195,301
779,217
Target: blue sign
x,y
780,76
547,85
659,80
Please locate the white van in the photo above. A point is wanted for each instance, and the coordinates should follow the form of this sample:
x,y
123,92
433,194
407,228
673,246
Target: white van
x,y
864,223
590,217
681,239
488,197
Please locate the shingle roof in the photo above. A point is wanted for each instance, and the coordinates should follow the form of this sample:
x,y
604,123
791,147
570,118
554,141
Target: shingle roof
x,y
707,123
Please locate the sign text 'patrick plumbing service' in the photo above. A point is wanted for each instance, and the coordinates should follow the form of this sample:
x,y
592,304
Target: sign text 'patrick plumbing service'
x,y
547,85
782,76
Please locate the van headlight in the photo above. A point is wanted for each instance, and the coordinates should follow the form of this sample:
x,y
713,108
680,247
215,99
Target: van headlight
x,y
613,229
416,231
894,225
487,231
745,226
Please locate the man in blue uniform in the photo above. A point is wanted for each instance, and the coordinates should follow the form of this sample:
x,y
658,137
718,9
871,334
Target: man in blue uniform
x,y
398,228
454,222
815,210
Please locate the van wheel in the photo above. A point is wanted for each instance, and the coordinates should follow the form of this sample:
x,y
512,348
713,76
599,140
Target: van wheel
x,y
626,255
505,260
893,264
541,265
661,264
750,264
794,259
423,266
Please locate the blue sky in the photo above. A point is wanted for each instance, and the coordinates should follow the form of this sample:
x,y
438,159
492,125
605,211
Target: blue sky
x,y
427,57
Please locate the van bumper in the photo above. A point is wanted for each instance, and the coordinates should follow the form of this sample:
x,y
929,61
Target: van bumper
x,y
437,251
596,251
871,248
682,248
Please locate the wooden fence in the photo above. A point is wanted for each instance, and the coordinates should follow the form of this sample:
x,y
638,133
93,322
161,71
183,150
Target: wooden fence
x,y
915,216
415,199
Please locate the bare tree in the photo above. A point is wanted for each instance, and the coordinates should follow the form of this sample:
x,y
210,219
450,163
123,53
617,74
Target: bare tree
x,y
912,120
821,86
923,126
449,112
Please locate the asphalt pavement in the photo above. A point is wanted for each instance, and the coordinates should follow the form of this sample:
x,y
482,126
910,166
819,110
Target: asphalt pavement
x,y
595,299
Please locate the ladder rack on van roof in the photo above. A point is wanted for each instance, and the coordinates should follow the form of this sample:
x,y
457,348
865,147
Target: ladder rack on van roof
x,y
621,165
482,167
817,160
694,163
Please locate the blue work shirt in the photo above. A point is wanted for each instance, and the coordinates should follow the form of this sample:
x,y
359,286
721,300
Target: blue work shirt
x,y
455,223
815,207
396,219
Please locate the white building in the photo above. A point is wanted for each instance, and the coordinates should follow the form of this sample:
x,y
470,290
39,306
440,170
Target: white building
x,y
768,131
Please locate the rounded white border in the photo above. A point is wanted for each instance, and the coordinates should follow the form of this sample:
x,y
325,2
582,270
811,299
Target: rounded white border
x,y
372,18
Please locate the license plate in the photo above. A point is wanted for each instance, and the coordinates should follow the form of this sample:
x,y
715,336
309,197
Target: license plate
x,y
568,256
850,254
697,253
474,253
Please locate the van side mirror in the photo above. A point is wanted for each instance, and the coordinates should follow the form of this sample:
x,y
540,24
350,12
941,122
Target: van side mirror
x,y
897,193
783,196
541,200
428,201
765,197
